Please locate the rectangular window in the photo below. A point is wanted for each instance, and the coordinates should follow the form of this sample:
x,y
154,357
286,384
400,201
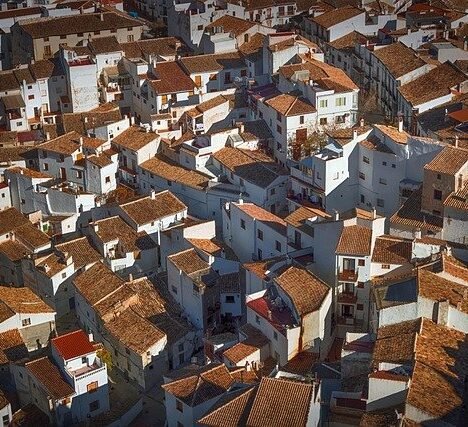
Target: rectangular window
x,y
179,406
278,246
360,285
26,322
380,203
278,116
242,224
260,234
361,263
260,254
301,120
92,387
30,96
46,167
323,103
47,51
360,307
229,299
365,159
94,406
437,195
278,129
323,121
340,102
362,176
107,179
257,320
275,335
383,181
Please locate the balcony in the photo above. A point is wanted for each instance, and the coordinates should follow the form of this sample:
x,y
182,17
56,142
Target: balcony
x,y
348,276
347,298
87,370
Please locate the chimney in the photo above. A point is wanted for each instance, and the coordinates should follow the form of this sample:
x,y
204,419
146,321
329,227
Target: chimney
x,y
417,233
147,129
456,141
132,120
336,215
460,181
96,227
130,277
153,194
101,16
269,315
374,212
355,134
361,122
465,43
400,123
85,119
47,135
241,200
90,337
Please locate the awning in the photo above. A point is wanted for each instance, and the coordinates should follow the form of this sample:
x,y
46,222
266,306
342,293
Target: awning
x,y
13,102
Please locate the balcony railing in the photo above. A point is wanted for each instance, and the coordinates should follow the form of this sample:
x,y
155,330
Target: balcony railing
x,y
347,298
348,275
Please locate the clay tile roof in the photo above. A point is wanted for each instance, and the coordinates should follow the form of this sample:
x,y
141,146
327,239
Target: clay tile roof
x,y
171,78
164,46
207,105
189,261
392,250
72,345
337,16
230,411
165,168
299,217
436,83
42,69
349,40
355,240
229,283
49,377
302,363
265,217
85,23
10,219
436,288
195,390
23,300
28,172
215,62
239,352
82,122
449,161
281,402
410,215
437,385
252,166
305,290
8,81
104,45
134,332
30,236
253,336
14,250
399,59
289,105
97,283
458,199
12,347
253,46
396,343
135,138
149,209
115,228
394,134
231,24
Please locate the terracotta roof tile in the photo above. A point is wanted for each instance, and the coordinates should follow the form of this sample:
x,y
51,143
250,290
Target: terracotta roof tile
x,y
72,345
281,402
266,217
81,250
12,347
410,215
399,59
392,250
189,261
252,166
449,161
436,83
135,138
231,411
81,123
239,352
231,24
215,62
149,209
171,78
10,219
337,16
289,105
47,27
195,390
14,250
49,377
23,300
355,240
306,291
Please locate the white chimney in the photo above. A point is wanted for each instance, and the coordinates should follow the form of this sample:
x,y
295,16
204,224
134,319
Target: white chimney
x,y
336,215
47,135
130,277
456,141
102,16
153,194
90,337
417,233
400,124
355,134
85,119
374,213
361,122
